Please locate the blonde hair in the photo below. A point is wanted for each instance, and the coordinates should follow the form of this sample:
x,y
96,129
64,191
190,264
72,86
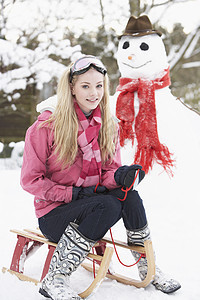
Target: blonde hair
x,y
65,123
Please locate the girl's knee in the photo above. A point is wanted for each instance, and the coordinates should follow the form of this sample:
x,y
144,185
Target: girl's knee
x,y
114,204
112,207
134,199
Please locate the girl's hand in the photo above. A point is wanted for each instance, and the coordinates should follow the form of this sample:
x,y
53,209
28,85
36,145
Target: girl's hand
x,y
125,175
85,192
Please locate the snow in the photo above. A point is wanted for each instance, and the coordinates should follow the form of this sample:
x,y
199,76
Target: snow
x,y
172,207
1,147
32,63
184,47
194,64
192,46
174,227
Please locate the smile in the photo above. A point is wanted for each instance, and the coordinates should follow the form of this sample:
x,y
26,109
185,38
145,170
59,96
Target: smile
x,y
138,66
94,100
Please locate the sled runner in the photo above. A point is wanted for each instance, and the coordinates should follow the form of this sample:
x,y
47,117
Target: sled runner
x,y
28,241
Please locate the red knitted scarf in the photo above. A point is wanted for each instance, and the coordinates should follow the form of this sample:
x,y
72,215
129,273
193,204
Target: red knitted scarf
x,y
149,149
88,133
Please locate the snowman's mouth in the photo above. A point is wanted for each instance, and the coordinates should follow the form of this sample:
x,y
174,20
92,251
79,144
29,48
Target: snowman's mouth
x,y
138,66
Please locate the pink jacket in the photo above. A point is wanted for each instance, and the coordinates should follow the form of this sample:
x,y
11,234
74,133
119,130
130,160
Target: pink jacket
x,y
42,177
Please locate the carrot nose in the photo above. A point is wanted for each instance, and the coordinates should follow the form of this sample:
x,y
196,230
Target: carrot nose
x,y
130,57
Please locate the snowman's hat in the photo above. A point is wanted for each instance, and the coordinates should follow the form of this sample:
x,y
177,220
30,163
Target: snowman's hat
x,y
139,26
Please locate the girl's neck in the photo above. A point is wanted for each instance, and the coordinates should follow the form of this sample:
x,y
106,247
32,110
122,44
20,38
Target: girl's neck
x,y
87,114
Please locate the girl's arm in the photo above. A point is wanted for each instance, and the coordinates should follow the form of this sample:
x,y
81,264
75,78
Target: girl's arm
x,y
33,174
109,168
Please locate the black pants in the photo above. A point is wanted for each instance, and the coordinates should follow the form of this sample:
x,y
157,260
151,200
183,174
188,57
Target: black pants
x,y
95,215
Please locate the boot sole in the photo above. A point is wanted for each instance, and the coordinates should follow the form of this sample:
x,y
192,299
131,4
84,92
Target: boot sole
x,y
44,293
169,292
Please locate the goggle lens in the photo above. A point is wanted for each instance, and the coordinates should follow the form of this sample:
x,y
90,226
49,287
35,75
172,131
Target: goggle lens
x,y
84,63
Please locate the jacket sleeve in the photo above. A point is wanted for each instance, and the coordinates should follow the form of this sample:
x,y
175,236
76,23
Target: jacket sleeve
x,y
109,168
34,172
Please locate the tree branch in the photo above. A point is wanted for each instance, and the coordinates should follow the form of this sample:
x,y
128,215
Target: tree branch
x,y
102,14
173,63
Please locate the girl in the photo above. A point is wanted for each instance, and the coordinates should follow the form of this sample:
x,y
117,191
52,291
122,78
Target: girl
x,y
72,165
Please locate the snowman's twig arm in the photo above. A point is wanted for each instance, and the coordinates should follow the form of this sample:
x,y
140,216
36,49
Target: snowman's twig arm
x,y
188,106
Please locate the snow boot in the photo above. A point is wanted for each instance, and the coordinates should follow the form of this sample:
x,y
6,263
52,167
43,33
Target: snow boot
x,y
70,252
161,281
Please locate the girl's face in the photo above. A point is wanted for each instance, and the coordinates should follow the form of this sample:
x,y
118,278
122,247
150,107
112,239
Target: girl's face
x,y
89,90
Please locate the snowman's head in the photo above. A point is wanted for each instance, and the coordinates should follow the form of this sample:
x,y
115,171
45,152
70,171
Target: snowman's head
x,y
142,57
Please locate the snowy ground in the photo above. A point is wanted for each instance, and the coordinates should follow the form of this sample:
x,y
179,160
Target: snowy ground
x,y
174,227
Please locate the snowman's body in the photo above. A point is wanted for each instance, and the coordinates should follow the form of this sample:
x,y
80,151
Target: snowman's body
x,y
178,127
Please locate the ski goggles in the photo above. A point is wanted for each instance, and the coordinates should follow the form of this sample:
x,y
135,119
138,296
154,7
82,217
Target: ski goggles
x,y
84,63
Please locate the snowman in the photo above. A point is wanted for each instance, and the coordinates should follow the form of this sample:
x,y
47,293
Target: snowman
x,y
160,133
149,115
156,130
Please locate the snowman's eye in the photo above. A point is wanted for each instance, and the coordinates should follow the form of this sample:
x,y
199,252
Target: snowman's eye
x,y
144,47
125,45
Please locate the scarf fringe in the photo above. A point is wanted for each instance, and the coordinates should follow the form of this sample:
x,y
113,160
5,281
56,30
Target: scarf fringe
x,y
126,132
146,157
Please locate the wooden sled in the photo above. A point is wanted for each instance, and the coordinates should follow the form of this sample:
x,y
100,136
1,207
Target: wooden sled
x,y
28,241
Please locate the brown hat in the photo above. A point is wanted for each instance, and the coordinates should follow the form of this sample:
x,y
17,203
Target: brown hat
x,y
139,26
